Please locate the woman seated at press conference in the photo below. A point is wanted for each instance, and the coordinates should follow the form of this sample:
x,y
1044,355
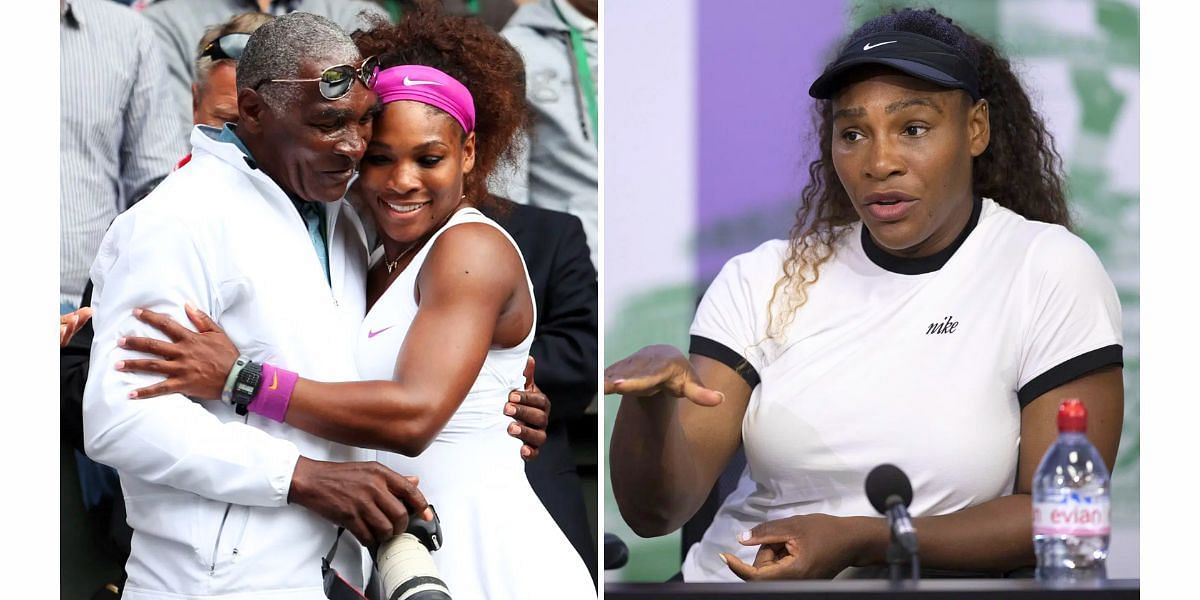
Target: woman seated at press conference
x,y
931,309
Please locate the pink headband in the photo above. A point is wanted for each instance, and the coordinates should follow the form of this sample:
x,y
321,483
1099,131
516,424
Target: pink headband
x,y
430,86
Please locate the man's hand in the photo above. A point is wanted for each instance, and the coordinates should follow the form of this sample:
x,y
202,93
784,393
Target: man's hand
x,y
816,546
370,500
70,324
531,409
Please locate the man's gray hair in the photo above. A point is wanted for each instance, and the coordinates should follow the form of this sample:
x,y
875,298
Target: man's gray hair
x,y
277,49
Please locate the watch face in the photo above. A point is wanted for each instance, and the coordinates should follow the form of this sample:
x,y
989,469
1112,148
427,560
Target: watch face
x,y
247,384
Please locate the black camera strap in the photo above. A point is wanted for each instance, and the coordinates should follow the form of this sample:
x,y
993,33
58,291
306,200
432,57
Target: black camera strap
x,y
336,586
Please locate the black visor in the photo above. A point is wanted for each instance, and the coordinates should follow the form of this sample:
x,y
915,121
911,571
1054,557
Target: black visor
x,y
911,53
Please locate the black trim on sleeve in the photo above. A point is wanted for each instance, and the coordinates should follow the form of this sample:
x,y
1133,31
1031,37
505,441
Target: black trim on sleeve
x,y
722,354
1069,371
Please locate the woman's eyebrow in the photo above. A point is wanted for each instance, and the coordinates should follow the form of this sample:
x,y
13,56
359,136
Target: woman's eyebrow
x,y
431,144
857,111
907,102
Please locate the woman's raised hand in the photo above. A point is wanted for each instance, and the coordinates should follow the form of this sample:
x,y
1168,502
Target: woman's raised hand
x,y
658,369
195,363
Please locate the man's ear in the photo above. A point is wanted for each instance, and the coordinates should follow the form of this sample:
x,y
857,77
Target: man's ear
x,y
252,108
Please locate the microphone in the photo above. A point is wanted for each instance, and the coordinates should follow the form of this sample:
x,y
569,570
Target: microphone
x,y
616,553
890,492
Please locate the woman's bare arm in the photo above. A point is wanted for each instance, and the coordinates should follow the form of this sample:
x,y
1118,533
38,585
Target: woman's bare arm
x,y
677,427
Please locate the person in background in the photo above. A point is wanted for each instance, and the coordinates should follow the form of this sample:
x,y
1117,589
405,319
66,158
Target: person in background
x,y
214,87
179,25
137,5
214,90
115,144
559,41
494,13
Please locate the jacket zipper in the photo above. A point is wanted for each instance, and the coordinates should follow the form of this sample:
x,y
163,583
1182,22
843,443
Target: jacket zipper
x,y
245,522
213,569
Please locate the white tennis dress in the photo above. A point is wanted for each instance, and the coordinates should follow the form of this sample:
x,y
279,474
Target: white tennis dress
x,y
500,543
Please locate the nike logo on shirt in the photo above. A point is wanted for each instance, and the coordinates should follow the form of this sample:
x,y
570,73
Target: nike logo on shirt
x,y
947,325
371,334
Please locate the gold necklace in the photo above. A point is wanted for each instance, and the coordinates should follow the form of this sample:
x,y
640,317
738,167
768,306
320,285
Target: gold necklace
x,y
392,264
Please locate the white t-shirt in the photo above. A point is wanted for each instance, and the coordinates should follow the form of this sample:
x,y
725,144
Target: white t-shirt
x,y
923,363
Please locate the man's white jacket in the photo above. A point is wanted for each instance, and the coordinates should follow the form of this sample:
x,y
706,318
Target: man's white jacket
x,y
206,490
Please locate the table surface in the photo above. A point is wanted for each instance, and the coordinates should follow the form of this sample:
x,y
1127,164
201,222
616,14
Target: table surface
x,y
852,589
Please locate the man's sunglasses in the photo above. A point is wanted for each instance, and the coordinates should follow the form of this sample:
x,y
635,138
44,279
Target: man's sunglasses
x,y
230,46
337,80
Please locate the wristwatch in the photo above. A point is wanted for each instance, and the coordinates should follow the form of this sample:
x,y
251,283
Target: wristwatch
x,y
246,386
231,379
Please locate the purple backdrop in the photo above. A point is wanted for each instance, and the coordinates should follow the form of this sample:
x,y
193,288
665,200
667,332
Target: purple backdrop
x,y
754,117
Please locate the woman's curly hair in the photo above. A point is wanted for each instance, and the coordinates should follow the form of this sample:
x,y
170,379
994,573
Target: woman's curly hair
x,y
1020,169
471,52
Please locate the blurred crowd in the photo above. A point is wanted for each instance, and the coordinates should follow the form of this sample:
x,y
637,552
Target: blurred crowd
x,y
137,75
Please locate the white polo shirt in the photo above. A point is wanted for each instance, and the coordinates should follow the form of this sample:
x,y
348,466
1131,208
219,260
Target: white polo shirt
x,y
924,363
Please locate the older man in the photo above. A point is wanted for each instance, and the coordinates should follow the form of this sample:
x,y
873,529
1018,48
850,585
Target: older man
x,y
179,24
254,232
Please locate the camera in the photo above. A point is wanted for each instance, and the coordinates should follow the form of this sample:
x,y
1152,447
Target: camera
x,y
405,565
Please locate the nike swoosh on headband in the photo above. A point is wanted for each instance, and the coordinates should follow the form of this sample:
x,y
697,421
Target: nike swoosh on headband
x,y
371,334
868,46
412,82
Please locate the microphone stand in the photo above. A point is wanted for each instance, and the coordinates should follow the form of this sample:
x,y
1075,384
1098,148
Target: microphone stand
x,y
895,558
903,544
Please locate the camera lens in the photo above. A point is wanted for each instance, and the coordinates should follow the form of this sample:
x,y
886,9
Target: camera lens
x,y
407,570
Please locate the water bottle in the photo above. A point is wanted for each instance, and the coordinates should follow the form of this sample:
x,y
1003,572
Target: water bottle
x,y
1070,503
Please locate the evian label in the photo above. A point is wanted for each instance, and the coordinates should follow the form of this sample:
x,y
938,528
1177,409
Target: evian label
x,y
1071,514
